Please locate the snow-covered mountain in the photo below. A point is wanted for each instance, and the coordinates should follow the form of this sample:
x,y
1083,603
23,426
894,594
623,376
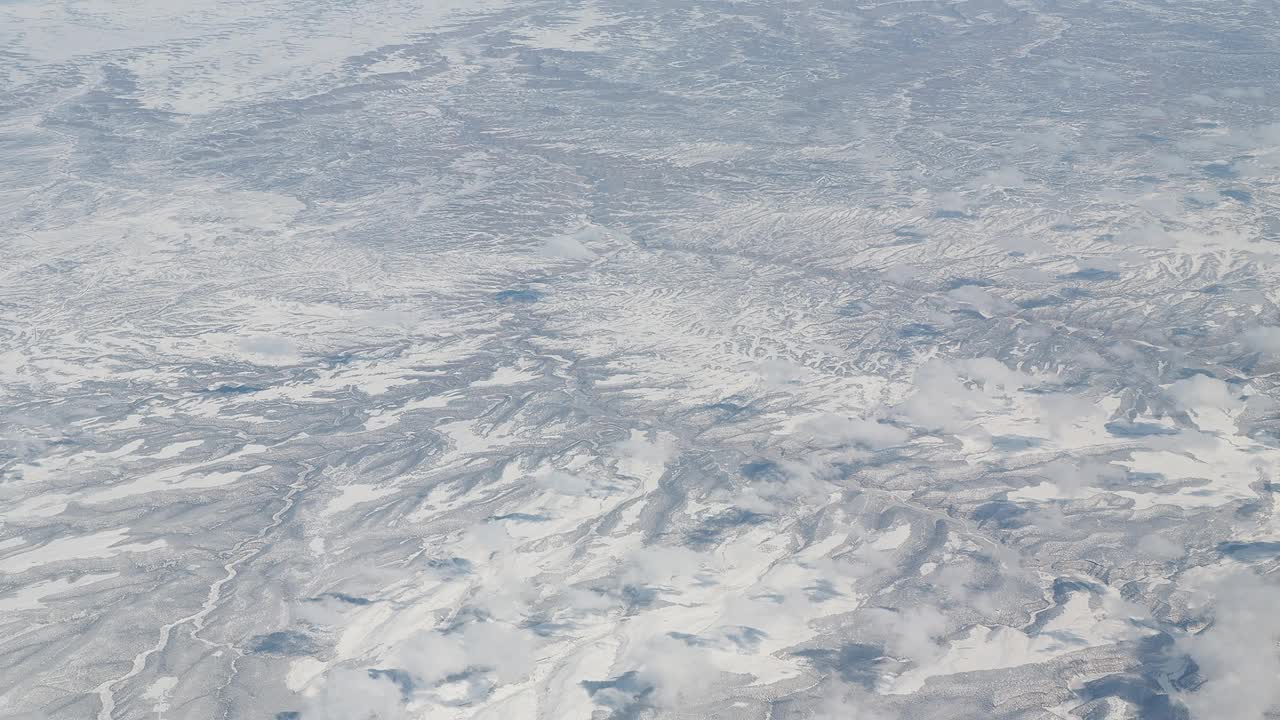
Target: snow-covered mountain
x,y
587,359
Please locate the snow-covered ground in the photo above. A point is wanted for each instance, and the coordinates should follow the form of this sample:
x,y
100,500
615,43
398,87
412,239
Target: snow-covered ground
x,y
599,359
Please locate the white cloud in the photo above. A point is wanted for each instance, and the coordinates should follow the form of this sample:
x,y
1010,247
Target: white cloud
x,y
797,480
950,394
679,673
778,372
867,432
639,448
1253,93
568,247
843,702
349,694
1263,339
1062,412
912,634
1201,391
1073,476
660,564
563,482
271,346
951,202
575,246
1238,654
980,300
508,651
1005,177
1160,548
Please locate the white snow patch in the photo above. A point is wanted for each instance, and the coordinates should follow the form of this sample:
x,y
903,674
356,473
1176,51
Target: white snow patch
x,y
83,547
29,596
353,495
